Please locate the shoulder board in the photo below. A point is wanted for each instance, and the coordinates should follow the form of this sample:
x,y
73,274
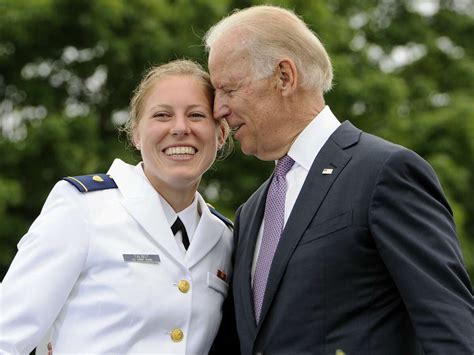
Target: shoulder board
x,y
94,182
223,218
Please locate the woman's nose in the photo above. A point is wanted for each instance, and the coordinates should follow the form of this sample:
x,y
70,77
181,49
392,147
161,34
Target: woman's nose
x,y
180,126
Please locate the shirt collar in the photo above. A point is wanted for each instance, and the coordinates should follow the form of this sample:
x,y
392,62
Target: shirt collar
x,y
310,141
189,216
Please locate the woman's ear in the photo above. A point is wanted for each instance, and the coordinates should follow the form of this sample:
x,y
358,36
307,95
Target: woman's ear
x,y
222,133
136,140
287,76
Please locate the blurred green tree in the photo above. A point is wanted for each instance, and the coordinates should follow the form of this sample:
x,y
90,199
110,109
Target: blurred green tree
x,y
403,70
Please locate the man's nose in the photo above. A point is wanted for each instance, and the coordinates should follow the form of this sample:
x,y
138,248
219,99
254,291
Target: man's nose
x,y
221,108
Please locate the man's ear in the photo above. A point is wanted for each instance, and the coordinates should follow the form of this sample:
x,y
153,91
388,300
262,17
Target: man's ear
x,y
287,76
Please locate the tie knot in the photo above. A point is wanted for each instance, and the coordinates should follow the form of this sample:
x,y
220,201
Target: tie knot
x,y
177,226
283,166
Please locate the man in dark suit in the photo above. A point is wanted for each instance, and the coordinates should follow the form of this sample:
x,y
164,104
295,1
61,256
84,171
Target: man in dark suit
x,y
350,246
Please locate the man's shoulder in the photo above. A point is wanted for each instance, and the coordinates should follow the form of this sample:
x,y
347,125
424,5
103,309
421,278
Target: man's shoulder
x,y
371,144
373,153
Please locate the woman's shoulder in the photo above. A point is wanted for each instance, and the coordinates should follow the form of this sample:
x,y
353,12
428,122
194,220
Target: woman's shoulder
x,y
82,192
219,215
92,182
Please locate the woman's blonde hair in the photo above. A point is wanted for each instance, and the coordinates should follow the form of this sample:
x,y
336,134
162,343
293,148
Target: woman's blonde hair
x,y
152,76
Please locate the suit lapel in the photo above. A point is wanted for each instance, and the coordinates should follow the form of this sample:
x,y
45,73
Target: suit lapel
x,y
143,204
312,194
206,236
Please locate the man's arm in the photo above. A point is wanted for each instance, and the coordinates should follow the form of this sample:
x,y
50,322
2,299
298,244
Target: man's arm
x,y
413,227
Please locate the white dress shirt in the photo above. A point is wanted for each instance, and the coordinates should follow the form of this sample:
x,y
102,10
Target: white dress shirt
x,y
303,151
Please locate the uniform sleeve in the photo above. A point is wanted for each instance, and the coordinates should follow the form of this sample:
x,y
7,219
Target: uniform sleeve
x,y
49,260
414,231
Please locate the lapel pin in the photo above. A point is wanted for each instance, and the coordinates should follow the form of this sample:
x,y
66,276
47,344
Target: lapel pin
x,y
222,275
327,171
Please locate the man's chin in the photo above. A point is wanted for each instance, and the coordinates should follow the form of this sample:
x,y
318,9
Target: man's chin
x,y
246,149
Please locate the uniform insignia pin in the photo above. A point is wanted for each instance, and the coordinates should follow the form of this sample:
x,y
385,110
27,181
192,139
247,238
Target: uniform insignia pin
x,y
222,275
97,178
327,171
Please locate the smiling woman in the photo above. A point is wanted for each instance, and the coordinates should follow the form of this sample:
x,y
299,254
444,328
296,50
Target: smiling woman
x,y
178,136
135,254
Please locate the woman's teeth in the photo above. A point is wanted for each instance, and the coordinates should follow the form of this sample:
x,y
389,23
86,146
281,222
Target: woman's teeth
x,y
180,151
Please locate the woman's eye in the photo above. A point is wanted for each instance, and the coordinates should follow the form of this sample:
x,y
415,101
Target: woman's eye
x,y
161,116
197,115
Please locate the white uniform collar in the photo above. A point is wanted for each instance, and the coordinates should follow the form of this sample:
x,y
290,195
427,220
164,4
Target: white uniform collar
x,y
310,141
189,216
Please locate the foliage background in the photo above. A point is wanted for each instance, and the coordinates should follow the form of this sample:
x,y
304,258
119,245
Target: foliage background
x,y
404,70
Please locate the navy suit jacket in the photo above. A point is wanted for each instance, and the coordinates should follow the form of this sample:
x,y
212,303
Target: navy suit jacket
x,y
368,262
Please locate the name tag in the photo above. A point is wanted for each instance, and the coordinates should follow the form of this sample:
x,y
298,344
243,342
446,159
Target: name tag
x,y
142,258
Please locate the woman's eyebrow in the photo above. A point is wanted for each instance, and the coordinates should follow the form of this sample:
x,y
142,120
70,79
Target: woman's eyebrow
x,y
170,107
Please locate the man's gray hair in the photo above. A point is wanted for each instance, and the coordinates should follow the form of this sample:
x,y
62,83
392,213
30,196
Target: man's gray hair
x,y
271,33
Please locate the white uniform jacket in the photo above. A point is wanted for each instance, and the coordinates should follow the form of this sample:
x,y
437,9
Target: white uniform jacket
x,y
70,275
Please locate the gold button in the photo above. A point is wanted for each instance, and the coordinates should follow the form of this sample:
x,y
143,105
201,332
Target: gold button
x,y
183,286
97,178
177,335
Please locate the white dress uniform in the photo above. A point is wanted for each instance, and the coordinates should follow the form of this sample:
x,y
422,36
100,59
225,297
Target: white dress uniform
x,y
103,273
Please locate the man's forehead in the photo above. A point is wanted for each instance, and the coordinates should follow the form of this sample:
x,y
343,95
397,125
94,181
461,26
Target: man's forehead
x,y
226,56
228,76
219,54
227,64
227,46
